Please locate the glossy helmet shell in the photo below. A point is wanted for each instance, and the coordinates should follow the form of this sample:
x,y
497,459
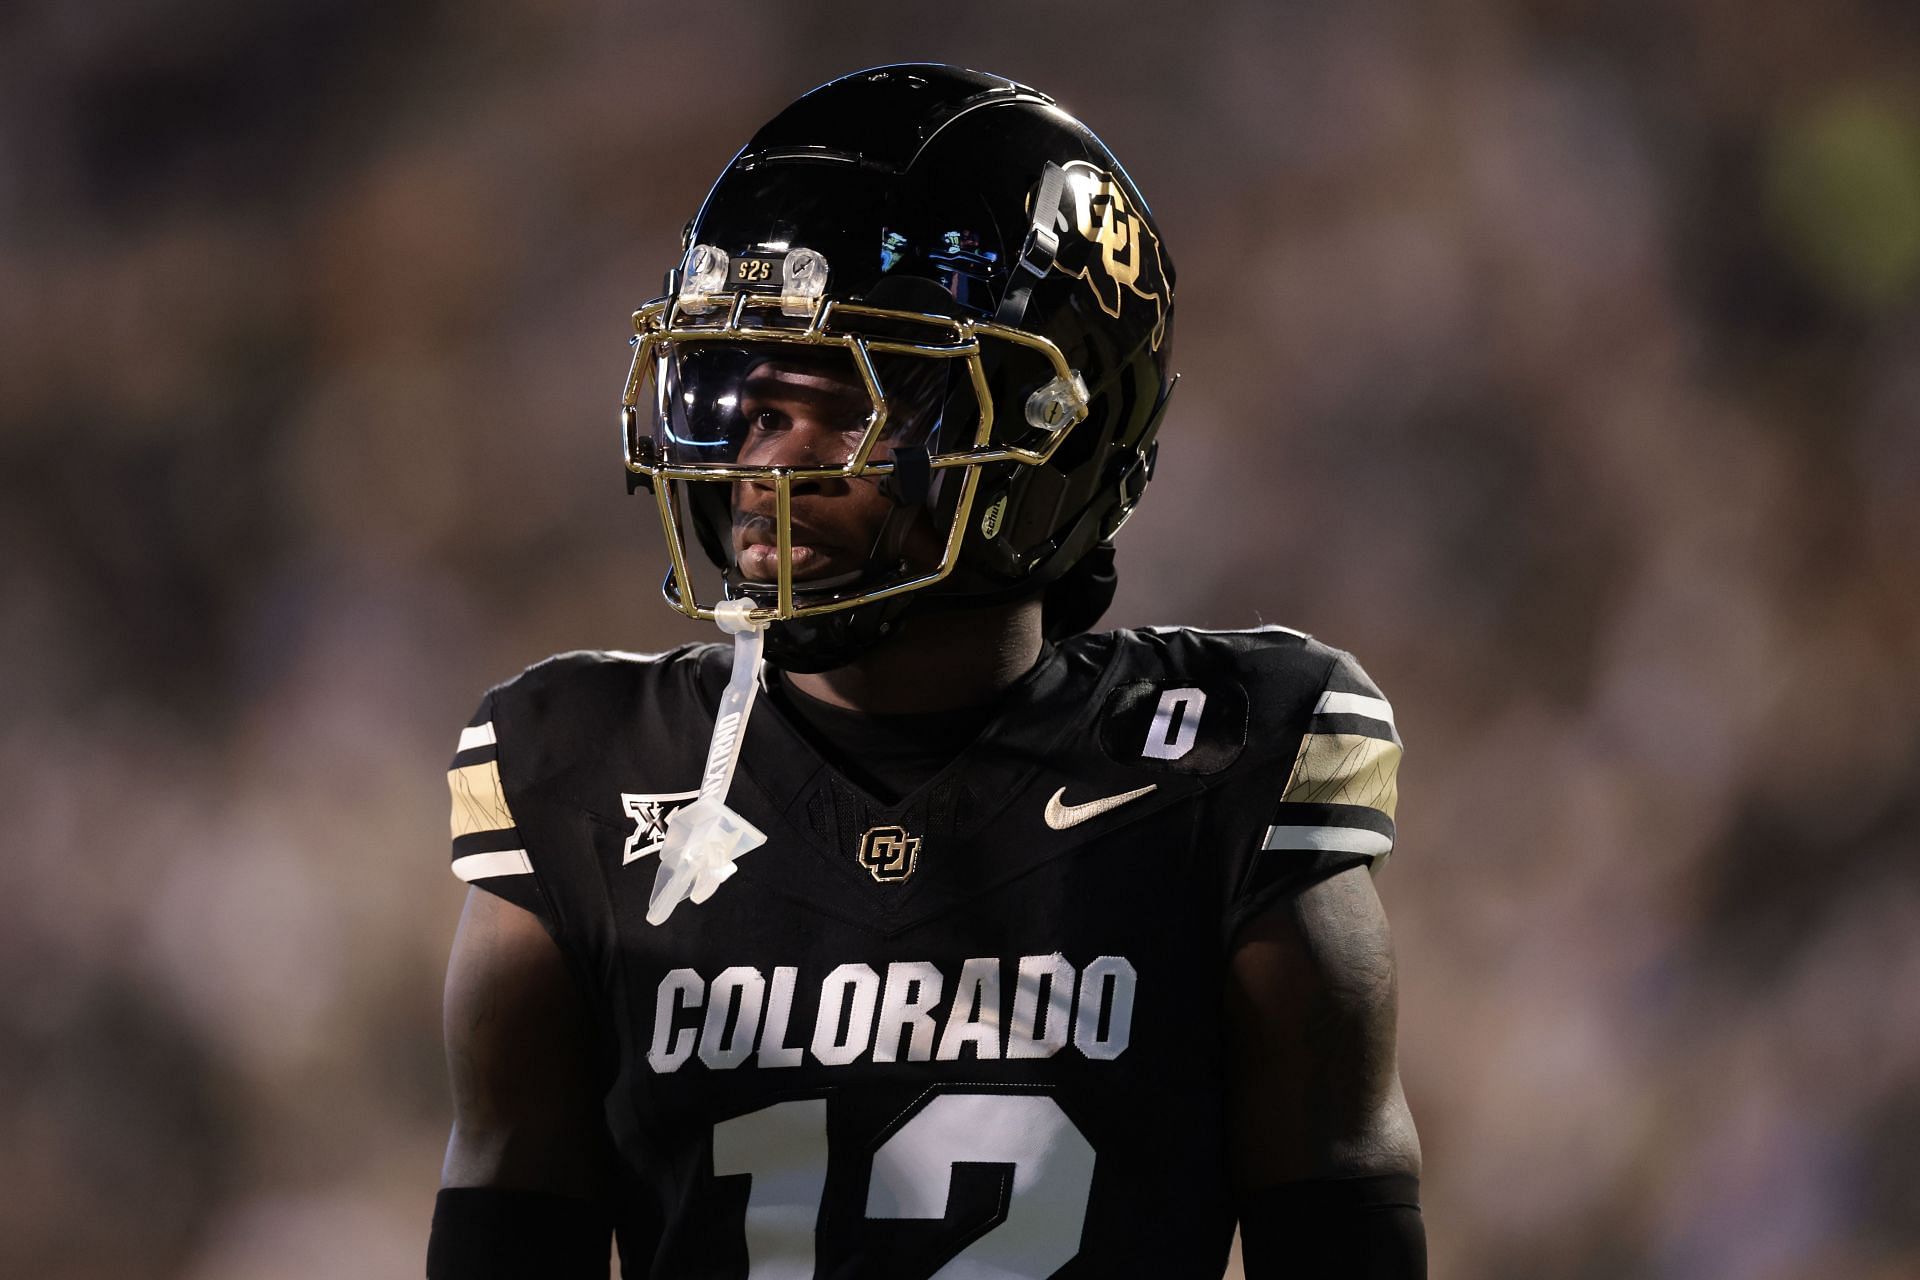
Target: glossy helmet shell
x,y
921,185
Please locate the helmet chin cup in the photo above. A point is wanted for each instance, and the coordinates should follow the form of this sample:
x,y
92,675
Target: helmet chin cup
x,y
830,640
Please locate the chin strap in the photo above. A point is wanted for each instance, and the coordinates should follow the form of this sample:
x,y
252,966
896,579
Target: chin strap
x,y
706,837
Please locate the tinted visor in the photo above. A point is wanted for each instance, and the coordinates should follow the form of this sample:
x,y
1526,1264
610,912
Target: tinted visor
x,y
803,407
833,444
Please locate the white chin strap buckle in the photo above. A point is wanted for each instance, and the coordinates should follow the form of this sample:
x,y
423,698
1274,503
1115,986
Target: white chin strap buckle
x,y
704,839
1058,404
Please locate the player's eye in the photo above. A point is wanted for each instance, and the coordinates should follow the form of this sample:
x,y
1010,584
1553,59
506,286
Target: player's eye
x,y
765,418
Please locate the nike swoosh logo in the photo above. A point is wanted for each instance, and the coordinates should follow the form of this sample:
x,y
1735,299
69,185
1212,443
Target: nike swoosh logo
x,y
1061,816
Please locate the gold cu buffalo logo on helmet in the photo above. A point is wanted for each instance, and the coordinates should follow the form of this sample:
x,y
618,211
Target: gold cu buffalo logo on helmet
x,y
1126,254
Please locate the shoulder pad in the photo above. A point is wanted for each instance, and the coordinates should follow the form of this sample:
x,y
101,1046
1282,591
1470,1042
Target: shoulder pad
x,y
561,710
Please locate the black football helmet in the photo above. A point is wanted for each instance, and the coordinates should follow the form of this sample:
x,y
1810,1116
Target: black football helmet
x,y
956,287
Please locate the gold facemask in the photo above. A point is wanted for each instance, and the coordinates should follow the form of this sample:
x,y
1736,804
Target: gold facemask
x,y
881,346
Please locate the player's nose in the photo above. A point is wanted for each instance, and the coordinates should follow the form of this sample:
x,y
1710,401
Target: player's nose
x,y
804,445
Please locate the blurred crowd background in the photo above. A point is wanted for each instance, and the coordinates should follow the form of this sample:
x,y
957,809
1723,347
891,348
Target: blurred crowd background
x,y
1559,357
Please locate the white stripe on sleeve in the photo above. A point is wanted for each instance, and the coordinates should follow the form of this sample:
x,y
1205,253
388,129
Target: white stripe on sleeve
x,y
478,735
1354,704
501,862
1334,839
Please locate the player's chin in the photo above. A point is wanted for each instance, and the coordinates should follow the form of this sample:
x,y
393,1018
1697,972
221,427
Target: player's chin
x,y
760,562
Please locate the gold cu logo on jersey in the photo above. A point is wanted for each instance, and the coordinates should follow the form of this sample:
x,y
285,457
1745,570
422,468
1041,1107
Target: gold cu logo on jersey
x,y
889,853
1129,257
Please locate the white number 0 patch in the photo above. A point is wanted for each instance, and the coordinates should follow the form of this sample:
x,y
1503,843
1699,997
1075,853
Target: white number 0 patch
x,y
1176,724
784,1149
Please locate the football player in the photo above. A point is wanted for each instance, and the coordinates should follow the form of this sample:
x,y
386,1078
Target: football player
x,y
915,929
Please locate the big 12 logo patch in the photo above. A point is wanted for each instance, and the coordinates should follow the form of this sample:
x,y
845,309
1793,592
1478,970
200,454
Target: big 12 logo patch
x,y
649,814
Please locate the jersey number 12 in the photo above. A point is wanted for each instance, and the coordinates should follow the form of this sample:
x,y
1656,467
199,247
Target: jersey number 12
x,y
784,1149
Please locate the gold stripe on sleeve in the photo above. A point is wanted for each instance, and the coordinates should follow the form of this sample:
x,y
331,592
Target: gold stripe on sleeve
x,y
478,802
1346,768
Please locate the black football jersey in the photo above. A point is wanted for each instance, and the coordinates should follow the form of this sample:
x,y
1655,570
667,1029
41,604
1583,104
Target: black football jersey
x,y
974,1033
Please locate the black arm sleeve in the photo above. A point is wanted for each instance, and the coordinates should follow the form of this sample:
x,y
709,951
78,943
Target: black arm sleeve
x,y
1336,1229
486,1233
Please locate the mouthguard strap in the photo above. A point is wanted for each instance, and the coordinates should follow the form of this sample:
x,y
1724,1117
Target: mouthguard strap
x,y
705,838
